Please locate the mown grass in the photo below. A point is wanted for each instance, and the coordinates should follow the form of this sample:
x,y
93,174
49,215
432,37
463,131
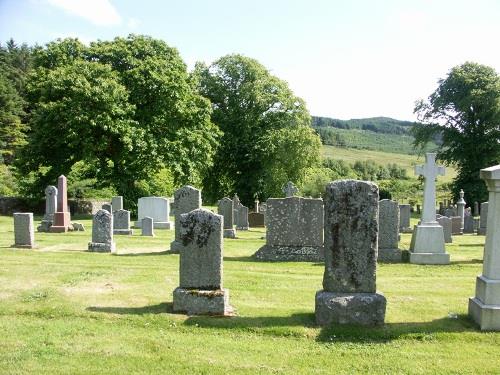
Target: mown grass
x,y
64,310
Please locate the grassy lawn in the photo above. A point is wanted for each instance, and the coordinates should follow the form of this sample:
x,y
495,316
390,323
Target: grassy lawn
x,y
64,310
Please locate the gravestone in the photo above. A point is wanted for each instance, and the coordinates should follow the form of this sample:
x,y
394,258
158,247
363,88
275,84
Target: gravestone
x,y
117,203
483,219
256,206
445,222
294,230
102,232
50,209
200,290
24,230
456,226
388,231
461,210
404,218
156,207
349,294
427,243
469,224
79,227
147,227
476,208
121,222
290,189
242,218
107,207
236,206
255,220
225,208
484,308
61,216
450,212
186,199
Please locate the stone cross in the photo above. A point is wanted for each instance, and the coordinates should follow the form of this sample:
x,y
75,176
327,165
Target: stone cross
x,y
429,171
290,189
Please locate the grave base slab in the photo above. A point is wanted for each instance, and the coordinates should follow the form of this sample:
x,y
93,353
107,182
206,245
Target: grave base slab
x,y
202,302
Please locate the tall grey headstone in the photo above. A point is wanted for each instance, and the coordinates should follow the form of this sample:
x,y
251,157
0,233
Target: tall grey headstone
x,y
427,243
388,231
349,294
483,219
200,288
186,199
225,208
24,230
456,226
445,222
484,308
242,218
290,189
117,203
121,222
50,209
147,227
102,232
404,218
294,230
469,224
156,207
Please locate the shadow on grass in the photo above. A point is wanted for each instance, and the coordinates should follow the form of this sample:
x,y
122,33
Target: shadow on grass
x,y
469,261
241,259
161,308
166,252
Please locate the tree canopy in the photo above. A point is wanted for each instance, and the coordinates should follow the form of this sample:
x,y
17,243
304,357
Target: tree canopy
x,y
267,135
465,109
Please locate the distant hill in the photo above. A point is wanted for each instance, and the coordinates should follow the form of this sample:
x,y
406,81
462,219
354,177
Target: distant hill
x,y
376,133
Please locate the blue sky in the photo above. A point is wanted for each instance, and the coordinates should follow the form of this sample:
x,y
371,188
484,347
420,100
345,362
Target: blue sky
x,y
346,59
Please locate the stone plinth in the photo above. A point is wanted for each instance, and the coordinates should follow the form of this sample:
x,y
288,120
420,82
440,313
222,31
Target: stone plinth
x,y
484,308
349,282
186,199
24,230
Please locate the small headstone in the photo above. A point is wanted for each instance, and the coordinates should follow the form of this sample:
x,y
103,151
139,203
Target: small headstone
x,y
102,232
242,215
290,189
147,227
349,293
61,216
121,222
445,222
388,232
200,290
107,207
24,230
225,208
186,199
255,220
483,220
50,209
469,224
456,226
156,207
117,203
404,218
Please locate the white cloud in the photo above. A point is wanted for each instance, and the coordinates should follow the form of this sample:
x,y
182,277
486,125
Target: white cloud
x,y
99,12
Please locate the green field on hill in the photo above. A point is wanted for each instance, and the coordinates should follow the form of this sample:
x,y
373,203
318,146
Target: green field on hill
x,y
67,311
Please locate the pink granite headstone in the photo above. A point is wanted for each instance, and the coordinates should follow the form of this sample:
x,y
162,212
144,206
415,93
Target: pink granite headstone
x,y
62,216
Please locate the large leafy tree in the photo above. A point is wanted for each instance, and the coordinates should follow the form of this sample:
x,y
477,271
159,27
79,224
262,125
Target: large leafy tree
x,y
127,108
465,111
267,135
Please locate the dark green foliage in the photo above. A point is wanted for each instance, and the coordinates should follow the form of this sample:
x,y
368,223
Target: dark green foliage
x,y
384,125
465,109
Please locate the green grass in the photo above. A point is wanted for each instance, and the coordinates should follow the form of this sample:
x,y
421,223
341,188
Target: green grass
x,y
64,310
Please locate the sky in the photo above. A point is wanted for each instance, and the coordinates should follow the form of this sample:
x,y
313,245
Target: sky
x,y
346,59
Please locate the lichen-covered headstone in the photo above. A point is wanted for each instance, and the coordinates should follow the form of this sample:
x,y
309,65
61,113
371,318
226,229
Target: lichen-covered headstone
x,y
147,227
186,199
121,222
388,232
117,203
50,209
102,232
24,230
349,282
226,209
200,288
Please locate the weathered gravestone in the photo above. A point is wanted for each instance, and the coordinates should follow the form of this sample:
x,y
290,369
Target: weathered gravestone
x,y
388,231
242,218
404,218
50,209
468,223
147,227
294,230
24,230
225,208
102,232
290,189
484,308
61,216
349,294
117,203
445,222
255,220
186,199
107,207
156,207
121,222
200,290
456,226
427,243
483,220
